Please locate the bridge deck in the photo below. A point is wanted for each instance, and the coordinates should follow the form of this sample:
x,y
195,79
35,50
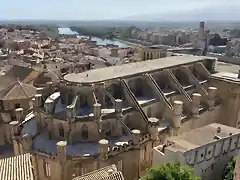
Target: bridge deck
x,y
113,72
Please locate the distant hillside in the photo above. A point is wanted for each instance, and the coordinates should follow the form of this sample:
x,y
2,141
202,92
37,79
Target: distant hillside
x,y
229,13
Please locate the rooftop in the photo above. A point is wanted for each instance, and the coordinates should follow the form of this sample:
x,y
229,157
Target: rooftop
x,y
226,76
16,168
106,173
114,72
200,136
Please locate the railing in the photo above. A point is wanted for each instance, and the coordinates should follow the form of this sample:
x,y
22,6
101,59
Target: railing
x,y
132,96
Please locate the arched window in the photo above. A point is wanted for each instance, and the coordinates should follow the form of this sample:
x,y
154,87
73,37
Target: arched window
x,y
84,131
151,56
46,168
147,56
61,131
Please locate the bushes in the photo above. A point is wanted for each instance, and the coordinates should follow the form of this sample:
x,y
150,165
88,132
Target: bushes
x,y
228,173
171,172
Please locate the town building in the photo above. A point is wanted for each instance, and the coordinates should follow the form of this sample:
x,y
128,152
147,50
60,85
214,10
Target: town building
x,y
207,149
153,52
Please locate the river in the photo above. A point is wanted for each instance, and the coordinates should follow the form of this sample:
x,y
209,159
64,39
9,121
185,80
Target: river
x,y
98,40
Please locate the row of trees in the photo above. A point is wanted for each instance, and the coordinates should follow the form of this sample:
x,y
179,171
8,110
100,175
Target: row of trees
x,y
104,32
171,172
44,28
101,32
182,172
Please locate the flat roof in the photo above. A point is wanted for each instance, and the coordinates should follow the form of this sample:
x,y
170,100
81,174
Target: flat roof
x,y
200,136
226,76
114,72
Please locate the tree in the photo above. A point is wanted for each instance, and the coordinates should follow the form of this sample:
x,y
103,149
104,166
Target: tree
x,y
171,172
228,173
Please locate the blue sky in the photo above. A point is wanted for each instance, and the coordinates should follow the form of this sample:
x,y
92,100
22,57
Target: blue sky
x,y
98,9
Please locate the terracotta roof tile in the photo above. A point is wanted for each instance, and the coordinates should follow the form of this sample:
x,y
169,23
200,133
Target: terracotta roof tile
x,y
16,168
102,174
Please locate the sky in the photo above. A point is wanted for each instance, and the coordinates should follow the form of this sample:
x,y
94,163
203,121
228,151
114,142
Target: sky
x,y
98,9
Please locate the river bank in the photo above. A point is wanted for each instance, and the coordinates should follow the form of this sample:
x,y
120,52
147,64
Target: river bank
x,y
129,43
118,42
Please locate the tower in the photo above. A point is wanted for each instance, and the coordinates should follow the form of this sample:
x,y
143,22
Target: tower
x,y
201,31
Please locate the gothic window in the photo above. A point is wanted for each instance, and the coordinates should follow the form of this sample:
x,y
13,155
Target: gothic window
x,y
80,168
61,131
46,168
143,153
84,131
147,56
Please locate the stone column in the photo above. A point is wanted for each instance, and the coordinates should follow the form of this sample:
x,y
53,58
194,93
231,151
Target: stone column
x,y
136,136
118,110
97,111
37,105
212,92
62,158
153,128
19,115
177,116
196,99
49,106
70,118
102,94
14,125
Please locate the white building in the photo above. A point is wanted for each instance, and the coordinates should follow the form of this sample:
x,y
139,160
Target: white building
x,y
207,149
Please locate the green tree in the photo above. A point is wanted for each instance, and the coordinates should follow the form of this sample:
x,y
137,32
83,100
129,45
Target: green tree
x,y
228,173
171,172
